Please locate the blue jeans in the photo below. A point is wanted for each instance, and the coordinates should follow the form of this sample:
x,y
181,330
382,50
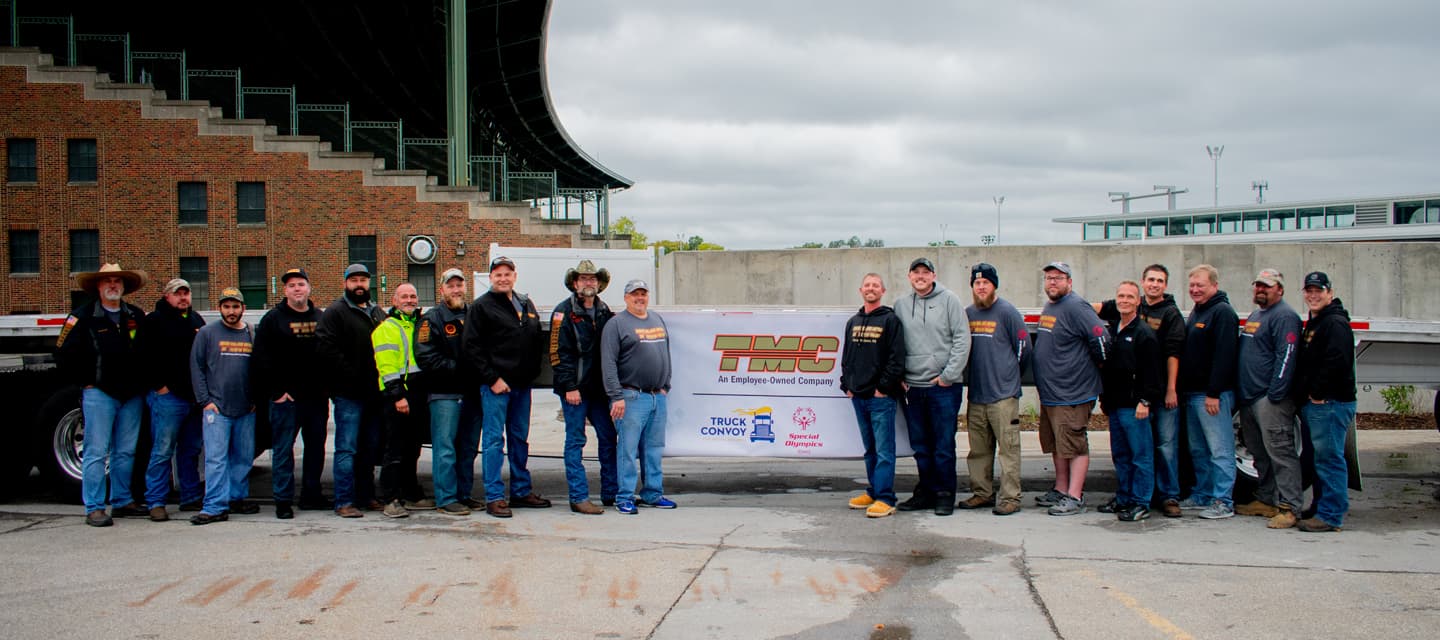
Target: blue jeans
x,y
1328,424
598,411
175,430
1132,449
357,440
642,437
229,452
112,429
932,413
1212,448
308,416
1166,425
876,417
454,439
506,428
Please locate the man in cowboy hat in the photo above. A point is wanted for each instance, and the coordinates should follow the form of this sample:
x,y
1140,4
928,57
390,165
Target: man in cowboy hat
x,y
575,328
96,351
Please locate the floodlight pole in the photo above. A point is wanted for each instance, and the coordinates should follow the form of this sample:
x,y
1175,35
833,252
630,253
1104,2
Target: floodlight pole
x,y
999,200
1215,152
1259,186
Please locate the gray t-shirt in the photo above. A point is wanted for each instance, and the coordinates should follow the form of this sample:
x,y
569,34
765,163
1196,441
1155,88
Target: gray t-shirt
x,y
999,347
1070,344
1267,353
635,353
220,368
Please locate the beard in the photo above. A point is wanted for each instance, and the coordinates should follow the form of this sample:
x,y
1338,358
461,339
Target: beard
x,y
231,319
111,295
455,303
358,295
986,302
588,292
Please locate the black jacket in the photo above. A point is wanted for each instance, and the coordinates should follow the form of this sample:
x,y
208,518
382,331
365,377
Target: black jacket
x,y
1325,365
1212,335
501,342
92,350
874,357
1164,318
285,358
439,348
345,350
575,347
164,342
1132,373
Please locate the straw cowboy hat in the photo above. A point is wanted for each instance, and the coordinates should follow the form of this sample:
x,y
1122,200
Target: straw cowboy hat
x,y
586,268
91,281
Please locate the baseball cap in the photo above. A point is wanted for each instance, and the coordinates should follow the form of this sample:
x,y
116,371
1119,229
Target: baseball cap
x,y
922,262
502,260
987,271
297,272
451,273
231,293
1270,277
176,285
357,269
1318,279
636,284
1059,266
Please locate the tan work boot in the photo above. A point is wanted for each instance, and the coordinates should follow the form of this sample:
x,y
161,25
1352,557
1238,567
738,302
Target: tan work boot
x,y
1257,508
1282,520
861,501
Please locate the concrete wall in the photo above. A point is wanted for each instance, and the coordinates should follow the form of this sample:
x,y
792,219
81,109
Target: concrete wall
x,y
1375,280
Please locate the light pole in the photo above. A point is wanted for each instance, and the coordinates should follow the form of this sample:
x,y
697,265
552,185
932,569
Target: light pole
x,y
1215,169
999,200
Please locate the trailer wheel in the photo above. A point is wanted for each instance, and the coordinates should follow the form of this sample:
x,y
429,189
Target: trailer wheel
x,y
59,441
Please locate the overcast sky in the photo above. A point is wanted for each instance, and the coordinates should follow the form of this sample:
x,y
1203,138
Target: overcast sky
x,y
769,124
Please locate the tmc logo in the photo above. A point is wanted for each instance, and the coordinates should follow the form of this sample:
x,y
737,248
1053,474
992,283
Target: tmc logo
x,y
786,354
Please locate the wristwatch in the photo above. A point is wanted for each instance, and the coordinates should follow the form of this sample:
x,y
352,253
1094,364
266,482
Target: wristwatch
x,y
1145,402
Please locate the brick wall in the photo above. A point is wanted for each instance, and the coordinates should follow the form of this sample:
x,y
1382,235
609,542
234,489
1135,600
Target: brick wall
x,y
134,204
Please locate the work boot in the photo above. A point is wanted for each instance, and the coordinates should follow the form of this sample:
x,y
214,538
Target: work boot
x,y
131,510
586,507
349,511
1315,525
158,514
917,502
861,501
395,509
98,518
1007,507
1171,508
284,511
1282,520
499,509
944,503
1257,508
976,502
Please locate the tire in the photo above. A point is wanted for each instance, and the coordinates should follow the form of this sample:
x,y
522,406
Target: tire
x,y
59,439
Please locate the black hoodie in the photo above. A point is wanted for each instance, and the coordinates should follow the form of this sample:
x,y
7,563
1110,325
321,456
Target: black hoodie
x,y
164,342
285,347
874,357
1325,365
1212,337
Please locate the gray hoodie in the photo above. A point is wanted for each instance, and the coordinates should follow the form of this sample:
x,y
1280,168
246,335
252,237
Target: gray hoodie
x,y
937,336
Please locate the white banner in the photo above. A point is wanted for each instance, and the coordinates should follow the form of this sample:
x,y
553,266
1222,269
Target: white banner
x,y
761,384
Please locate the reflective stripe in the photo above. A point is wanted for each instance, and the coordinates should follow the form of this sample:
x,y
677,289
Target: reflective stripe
x,y
391,376
386,347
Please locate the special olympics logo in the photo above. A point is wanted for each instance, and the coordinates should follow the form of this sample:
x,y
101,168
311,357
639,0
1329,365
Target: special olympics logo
x,y
804,417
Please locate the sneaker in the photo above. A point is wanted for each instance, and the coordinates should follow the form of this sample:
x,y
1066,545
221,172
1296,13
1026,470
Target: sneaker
x,y
1315,525
878,509
194,506
529,501
1133,513
1257,508
1050,499
1282,520
131,510
98,518
659,503
917,502
422,504
1217,511
861,501
349,511
159,514
1171,508
626,507
396,509
244,507
454,509
1006,508
976,502
284,511
1068,506
205,518
1111,506
1192,504
586,507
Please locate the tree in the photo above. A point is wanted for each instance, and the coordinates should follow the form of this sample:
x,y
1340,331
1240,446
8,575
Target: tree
x,y
948,243
626,226
811,245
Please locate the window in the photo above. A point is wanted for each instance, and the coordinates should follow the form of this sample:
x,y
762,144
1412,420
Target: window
x,y
24,252
194,205
250,203
21,163
1342,216
1158,227
1094,231
253,281
1204,225
1114,229
1135,229
84,250
1417,212
1179,226
1229,223
362,251
1282,220
423,277
1256,221
1310,218
80,156
196,271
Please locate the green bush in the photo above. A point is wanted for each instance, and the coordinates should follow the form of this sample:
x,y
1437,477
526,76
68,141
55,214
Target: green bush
x,y
1400,399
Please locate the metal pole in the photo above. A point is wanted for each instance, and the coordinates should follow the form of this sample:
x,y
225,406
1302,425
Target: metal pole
x,y
1215,169
457,90
999,200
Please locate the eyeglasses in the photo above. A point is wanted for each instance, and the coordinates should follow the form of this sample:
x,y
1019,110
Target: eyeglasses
x,y
1056,278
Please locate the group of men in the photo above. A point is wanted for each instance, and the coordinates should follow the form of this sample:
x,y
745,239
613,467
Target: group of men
x,y
461,370
1147,366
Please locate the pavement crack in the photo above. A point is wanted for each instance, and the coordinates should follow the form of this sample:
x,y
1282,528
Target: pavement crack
x,y
30,525
1237,565
1024,565
693,577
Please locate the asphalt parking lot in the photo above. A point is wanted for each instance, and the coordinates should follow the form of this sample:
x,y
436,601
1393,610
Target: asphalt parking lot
x,y
757,549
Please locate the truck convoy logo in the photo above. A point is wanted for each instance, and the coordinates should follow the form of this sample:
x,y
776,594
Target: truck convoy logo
x,y
786,354
759,425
